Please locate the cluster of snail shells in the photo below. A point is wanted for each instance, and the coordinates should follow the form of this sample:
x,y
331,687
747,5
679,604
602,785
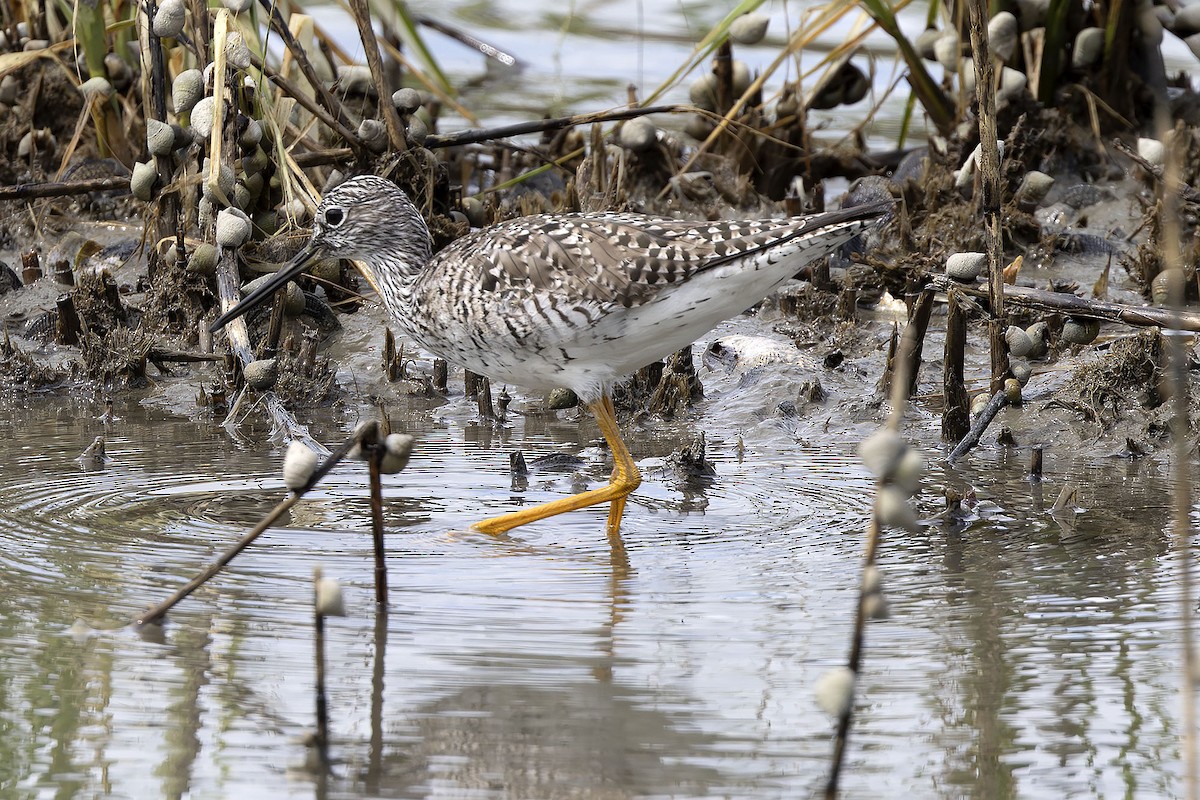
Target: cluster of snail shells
x,y
228,205
898,466
748,29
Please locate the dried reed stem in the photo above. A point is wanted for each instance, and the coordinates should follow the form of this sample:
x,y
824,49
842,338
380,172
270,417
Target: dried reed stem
x,y
898,402
381,578
988,188
1180,440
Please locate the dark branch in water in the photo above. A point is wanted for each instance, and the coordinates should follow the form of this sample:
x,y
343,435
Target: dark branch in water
x,y
978,426
156,613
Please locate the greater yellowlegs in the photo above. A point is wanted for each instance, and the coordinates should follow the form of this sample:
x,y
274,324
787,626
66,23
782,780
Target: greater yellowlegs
x,y
572,301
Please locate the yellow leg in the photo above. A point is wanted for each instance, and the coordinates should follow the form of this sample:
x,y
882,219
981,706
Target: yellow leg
x,y
625,479
616,508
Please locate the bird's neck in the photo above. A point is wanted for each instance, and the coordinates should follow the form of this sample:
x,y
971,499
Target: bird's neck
x,y
393,274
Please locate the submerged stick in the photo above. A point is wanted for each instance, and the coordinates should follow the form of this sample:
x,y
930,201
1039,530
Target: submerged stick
x,y
989,412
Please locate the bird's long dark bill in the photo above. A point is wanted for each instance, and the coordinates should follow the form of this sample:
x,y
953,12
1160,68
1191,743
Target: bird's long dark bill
x,y
264,292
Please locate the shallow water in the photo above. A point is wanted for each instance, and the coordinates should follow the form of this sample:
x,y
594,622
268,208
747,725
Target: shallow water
x,y
1025,656
1022,658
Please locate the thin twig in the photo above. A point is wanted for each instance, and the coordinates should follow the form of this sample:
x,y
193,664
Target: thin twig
x,y
325,96
476,135
391,117
899,400
159,611
980,424
308,104
1155,171
26,191
490,51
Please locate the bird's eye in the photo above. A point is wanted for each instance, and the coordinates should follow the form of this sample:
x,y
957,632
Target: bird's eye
x,y
334,217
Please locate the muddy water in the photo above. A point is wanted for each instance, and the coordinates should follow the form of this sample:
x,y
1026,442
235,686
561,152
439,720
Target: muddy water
x,y
1024,656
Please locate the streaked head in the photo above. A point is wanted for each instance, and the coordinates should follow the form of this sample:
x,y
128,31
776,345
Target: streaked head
x,y
366,219
367,216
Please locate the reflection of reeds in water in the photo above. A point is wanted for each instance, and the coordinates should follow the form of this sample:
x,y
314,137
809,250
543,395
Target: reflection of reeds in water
x,y
1177,378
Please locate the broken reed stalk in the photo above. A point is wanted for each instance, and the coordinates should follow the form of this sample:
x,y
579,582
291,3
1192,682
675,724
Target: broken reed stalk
x,y
922,311
477,135
899,400
484,398
988,188
376,453
1035,463
391,117
1137,316
985,417
955,413
322,737
270,347
159,611
441,374
1181,446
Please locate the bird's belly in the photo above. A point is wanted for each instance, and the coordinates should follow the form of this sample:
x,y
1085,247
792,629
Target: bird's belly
x,y
588,356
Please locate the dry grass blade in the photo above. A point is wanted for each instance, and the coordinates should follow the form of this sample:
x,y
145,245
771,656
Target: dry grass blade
x,y
704,49
936,104
800,39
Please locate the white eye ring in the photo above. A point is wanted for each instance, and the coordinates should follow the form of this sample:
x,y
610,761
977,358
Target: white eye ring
x,y
335,216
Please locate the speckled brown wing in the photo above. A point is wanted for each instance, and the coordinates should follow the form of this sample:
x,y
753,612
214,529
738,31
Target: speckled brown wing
x,y
620,260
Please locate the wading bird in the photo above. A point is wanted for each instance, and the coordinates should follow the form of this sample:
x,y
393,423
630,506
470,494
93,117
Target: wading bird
x,y
573,301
